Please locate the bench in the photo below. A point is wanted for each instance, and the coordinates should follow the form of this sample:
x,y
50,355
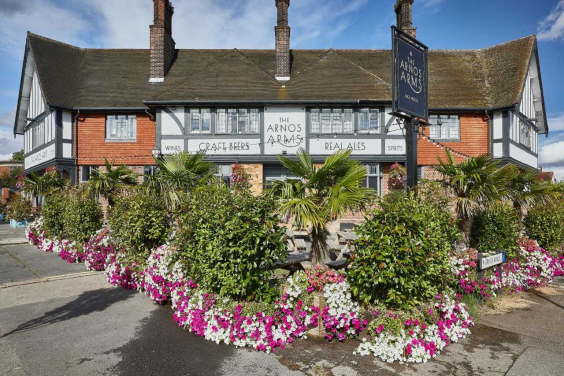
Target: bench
x,y
346,237
333,246
293,261
300,245
337,264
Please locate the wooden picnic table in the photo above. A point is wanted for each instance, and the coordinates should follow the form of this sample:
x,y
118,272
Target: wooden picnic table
x,y
346,237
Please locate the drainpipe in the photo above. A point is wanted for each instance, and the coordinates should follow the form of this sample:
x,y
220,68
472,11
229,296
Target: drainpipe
x,y
75,142
490,134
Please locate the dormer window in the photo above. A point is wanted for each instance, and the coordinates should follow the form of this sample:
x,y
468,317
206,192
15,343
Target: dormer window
x,y
121,128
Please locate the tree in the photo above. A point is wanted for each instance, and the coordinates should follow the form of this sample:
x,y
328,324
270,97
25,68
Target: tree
x,y
177,175
107,183
526,189
321,195
9,179
18,156
44,185
476,184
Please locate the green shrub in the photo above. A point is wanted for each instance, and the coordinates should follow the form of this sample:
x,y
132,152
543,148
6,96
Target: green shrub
x,y
545,224
230,241
18,208
140,222
82,217
497,228
52,214
403,249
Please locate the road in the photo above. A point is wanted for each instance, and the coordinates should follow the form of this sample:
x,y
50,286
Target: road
x,y
57,320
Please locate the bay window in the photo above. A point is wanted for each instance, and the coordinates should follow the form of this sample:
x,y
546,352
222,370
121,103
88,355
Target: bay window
x,y
525,134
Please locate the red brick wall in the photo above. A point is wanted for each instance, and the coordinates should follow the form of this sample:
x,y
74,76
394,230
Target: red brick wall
x,y
4,169
92,145
473,141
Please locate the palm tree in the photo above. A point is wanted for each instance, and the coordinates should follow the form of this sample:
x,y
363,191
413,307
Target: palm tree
x,y
526,189
107,183
476,184
318,196
177,175
47,184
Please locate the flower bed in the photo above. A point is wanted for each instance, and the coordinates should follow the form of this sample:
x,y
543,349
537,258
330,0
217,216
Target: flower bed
x,y
98,249
396,337
533,267
414,336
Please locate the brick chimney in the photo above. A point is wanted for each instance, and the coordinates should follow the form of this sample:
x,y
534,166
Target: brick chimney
x,y
163,47
282,32
404,17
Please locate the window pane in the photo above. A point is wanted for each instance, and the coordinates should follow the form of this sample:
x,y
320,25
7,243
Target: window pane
x,y
132,121
326,121
374,120
315,120
348,120
337,121
232,120
194,120
206,120
243,121
121,127
373,182
255,120
221,121
454,127
363,120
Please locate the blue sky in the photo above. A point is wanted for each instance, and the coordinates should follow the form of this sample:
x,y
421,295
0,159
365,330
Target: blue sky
x,y
442,24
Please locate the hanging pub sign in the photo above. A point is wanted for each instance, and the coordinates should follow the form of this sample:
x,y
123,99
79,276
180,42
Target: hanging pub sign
x,y
410,91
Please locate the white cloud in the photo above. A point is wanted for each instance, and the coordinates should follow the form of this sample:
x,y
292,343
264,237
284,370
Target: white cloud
x,y
221,24
431,3
8,144
556,122
42,17
6,157
552,27
552,153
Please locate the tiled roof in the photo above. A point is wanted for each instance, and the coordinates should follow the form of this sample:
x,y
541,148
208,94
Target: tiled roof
x,y
108,78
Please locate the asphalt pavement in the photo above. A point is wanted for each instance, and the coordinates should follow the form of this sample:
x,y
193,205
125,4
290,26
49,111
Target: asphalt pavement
x,y
57,320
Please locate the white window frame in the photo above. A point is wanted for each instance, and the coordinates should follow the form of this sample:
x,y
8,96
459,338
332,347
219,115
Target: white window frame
x,y
449,129
373,171
237,121
369,120
200,116
82,174
332,120
113,131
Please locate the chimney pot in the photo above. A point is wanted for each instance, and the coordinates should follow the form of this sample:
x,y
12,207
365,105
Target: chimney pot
x,y
404,14
163,47
282,32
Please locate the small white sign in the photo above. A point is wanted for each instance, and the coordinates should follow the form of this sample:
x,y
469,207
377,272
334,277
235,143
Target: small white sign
x,y
225,146
284,130
41,156
488,262
395,146
359,146
172,146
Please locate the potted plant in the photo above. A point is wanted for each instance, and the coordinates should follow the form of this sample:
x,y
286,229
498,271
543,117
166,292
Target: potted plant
x,y
18,210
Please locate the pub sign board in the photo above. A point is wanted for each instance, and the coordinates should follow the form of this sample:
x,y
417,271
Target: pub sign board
x,y
410,90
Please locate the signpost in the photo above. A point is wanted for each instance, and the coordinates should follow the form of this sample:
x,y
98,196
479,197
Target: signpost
x,y
485,262
410,91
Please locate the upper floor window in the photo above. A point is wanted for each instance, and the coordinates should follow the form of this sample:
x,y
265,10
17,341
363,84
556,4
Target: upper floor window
x,y
444,127
368,120
242,120
525,135
121,127
200,120
334,120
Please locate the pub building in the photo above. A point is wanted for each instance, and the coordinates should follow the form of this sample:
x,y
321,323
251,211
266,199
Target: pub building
x,y
77,106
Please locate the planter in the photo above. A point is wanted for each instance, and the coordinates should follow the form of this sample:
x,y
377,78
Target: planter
x,y
18,224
